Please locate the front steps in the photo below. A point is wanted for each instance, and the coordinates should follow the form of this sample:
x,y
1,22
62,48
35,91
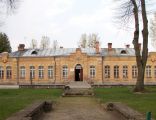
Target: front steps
x,y
78,89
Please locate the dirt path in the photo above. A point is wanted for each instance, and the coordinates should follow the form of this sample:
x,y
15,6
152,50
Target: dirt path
x,y
79,108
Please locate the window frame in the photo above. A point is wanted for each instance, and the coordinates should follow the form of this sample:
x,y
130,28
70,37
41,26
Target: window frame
x,y
155,71
51,72
22,72
107,71
32,72
8,72
92,71
64,71
116,71
148,71
134,71
1,72
41,72
125,71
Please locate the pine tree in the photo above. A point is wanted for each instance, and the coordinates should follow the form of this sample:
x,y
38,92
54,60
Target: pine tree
x,y
4,43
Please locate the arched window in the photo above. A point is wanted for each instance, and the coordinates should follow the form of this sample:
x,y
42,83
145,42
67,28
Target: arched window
x,y
34,52
32,72
65,71
22,72
134,71
8,72
41,72
50,72
125,71
148,71
116,71
107,71
1,72
123,52
92,71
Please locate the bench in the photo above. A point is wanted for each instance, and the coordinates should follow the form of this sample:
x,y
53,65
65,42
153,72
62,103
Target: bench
x,y
33,112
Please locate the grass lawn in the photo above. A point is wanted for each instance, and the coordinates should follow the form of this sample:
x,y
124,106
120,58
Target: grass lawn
x,y
12,100
141,102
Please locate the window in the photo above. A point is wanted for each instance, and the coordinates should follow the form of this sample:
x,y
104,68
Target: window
x,y
8,72
32,72
134,71
125,71
41,72
34,53
65,72
22,72
92,71
1,72
50,71
107,71
123,52
148,71
155,71
116,71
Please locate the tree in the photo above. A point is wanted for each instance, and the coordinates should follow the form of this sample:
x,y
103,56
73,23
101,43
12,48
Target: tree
x,y
4,43
88,41
92,39
33,44
133,7
83,41
8,6
45,42
55,44
153,31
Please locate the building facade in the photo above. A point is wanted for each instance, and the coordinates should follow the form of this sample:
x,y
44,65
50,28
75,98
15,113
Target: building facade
x,y
109,66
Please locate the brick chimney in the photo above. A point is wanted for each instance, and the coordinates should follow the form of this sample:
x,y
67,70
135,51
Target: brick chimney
x,y
21,47
128,46
109,46
97,47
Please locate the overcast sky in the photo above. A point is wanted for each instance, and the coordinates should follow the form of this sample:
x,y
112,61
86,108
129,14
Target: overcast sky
x,y
65,21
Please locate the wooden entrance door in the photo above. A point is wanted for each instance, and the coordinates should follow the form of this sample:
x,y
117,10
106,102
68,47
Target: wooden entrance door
x,y
78,73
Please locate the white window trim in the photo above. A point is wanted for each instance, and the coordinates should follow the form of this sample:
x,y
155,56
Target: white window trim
x,y
22,72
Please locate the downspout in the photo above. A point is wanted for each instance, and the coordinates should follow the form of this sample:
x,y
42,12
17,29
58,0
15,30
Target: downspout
x,y
55,70
17,76
17,69
102,70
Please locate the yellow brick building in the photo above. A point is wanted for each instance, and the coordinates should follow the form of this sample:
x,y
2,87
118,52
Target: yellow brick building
x,y
108,66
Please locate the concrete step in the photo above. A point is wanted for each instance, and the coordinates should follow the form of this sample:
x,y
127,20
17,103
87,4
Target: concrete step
x,y
9,86
82,84
78,92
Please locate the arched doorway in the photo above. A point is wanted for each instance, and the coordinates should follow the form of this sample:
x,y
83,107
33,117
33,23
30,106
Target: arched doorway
x,y
78,73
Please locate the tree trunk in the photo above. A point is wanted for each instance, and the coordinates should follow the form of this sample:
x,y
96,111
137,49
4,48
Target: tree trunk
x,y
140,79
141,61
145,37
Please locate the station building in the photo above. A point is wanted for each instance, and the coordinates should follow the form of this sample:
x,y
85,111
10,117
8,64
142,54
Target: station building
x,y
108,66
